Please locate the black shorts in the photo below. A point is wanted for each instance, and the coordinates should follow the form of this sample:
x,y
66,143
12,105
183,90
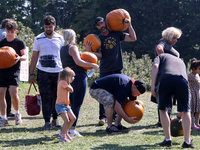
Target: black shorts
x,y
177,86
8,78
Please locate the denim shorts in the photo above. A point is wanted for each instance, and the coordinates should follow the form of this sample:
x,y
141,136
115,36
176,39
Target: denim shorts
x,y
103,97
62,108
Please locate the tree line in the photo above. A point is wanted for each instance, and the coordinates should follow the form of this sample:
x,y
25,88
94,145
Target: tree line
x,y
149,18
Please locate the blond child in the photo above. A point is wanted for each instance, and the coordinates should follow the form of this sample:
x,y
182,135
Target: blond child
x,y
66,76
194,83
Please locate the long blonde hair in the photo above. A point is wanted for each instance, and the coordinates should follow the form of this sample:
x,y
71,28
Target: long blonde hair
x,y
170,32
69,35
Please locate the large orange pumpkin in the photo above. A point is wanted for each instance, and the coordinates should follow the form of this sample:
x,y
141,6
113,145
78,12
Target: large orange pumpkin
x,y
141,103
116,18
89,57
134,109
176,127
95,41
7,57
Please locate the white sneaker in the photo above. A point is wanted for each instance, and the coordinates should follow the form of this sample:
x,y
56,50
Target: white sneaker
x,y
18,119
75,134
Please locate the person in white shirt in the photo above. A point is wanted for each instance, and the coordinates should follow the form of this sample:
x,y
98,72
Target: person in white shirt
x,y
46,51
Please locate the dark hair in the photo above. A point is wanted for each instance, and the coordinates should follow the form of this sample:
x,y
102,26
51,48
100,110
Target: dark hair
x,y
194,63
11,24
49,20
3,23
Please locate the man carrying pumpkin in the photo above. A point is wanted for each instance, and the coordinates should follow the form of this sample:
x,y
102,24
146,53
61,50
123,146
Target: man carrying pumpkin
x,y
110,55
112,91
10,76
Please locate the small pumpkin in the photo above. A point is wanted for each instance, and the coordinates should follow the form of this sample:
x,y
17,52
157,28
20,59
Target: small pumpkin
x,y
95,41
7,57
176,127
116,18
89,57
134,109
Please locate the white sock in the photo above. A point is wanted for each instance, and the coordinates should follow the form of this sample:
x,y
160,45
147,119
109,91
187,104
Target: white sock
x,y
167,139
4,117
71,131
16,111
188,142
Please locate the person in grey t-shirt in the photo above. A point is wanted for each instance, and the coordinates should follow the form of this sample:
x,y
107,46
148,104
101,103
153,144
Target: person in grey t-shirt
x,y
170,76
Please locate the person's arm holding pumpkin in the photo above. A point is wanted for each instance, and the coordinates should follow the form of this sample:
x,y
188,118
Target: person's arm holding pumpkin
x,y
22,58
119,110
88,49
73,51
131,37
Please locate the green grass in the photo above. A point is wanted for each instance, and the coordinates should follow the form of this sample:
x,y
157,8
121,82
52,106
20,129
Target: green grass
x,y
143,135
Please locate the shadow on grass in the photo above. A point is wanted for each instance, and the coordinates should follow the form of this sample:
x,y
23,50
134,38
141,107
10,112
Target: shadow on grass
x,y
27,142
136,147
24,129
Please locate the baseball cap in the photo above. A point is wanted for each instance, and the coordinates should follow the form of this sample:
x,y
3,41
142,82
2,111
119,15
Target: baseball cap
x,y
98,19
140,84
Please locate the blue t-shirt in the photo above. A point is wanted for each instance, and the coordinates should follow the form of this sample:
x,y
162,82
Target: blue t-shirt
x,y
117,84
111,51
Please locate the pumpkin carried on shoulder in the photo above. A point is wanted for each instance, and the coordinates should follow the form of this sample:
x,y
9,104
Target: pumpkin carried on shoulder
x,y
7,57
116,18
96,42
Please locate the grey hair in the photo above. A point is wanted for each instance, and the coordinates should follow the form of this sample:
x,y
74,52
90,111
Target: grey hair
x,y
69,35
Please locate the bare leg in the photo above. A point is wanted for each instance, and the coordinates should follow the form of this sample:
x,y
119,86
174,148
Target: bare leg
x,y
3,105
109,115
165,121
186,123
14,97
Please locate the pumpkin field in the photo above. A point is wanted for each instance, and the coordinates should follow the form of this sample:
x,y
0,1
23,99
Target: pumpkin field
x,y
142,135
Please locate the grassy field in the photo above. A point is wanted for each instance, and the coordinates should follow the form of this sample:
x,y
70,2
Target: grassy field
x,y
143,135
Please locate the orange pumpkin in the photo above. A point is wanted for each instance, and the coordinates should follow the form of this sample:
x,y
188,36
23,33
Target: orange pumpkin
x,y
116,18
141,103
134,109
7,57
89,57
95,41
176,127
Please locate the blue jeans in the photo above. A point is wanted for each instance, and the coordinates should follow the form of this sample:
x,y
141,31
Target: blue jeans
x,y
101,108
80,87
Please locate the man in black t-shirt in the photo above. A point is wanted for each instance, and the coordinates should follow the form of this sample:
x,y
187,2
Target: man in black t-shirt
x,y
110,55
112,91
10,76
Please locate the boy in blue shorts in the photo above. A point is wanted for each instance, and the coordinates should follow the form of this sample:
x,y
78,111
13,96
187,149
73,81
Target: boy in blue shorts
x,y
10,76
170,76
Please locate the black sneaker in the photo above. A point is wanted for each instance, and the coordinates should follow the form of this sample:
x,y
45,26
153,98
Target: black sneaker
x,y
112,130
166,143
191,145
47,126
158,124
122,128
10,115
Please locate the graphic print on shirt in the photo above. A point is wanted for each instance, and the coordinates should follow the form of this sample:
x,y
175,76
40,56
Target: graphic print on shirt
x,y
48,61
109,43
